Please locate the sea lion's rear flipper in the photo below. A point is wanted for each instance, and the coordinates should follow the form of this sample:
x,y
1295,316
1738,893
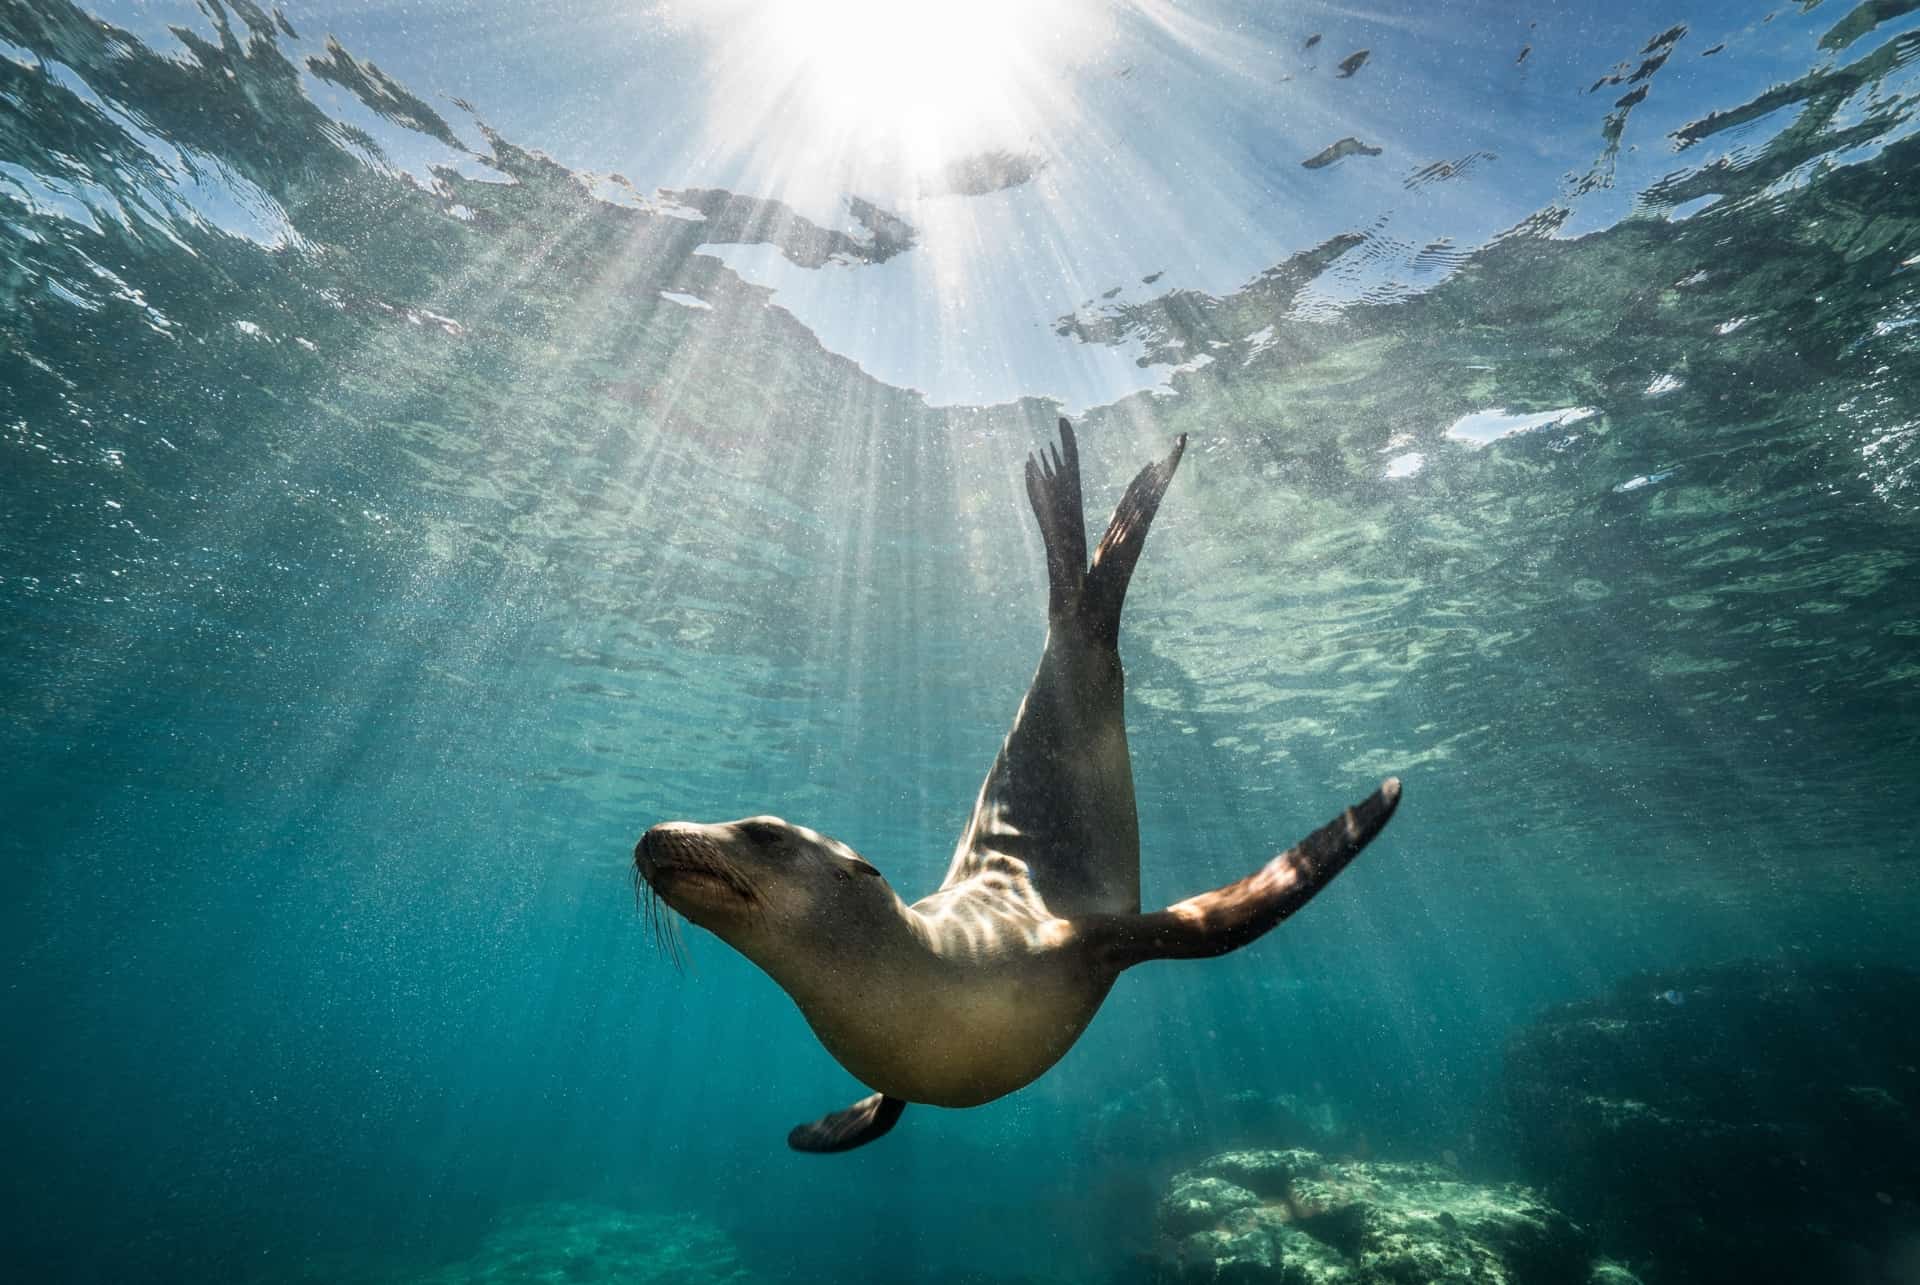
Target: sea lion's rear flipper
x,y
1225,919
1053,488
1119,548
854,1127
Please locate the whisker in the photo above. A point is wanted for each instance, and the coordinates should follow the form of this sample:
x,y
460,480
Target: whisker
x,y
666,933
676,944
663,922
667,927
661,926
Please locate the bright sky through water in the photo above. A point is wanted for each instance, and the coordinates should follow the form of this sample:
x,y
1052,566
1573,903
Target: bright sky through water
x,y
1065,155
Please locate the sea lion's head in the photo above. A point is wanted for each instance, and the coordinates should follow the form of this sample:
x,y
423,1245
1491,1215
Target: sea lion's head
x,y
762,884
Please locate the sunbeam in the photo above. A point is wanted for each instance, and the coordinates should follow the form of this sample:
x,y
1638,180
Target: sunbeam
x,y
873,87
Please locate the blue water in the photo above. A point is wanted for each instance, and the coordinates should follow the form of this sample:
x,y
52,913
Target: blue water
x,y
397,517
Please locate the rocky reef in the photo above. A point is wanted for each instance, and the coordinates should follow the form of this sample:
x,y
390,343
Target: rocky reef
x,y
1297,1218
571,1243
1733,1124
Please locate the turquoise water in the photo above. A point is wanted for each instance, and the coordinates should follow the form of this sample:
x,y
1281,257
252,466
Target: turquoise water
x,y
398,515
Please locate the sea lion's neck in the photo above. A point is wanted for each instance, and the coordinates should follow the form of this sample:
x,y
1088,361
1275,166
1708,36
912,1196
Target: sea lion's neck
x,y
893,948
880,940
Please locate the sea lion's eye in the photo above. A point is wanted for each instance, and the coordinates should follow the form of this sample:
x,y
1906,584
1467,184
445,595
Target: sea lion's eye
x,y
851,865
761,834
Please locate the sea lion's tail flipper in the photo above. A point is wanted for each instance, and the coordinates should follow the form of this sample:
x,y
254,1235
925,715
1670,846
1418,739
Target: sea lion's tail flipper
x,y
1225,919
1119,548
854,1127
1053,488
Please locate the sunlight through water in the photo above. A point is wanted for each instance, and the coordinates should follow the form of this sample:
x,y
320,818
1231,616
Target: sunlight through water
x,y
872,84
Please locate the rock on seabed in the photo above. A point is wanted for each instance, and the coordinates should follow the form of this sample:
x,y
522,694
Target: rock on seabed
x,y
1297,1218
1736,1123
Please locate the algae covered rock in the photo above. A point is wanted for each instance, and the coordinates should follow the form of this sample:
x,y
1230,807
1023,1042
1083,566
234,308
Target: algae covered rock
x,y
1200,1200
1732,1124
1296,1218
567,1243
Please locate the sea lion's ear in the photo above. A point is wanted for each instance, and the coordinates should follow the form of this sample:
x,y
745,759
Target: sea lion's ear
x,y
1225,919
854,1127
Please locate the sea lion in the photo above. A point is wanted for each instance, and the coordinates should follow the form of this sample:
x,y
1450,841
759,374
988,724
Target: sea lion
x,y
973,992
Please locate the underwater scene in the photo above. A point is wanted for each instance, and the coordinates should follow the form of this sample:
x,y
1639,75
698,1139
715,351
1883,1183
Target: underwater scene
x,y
524,529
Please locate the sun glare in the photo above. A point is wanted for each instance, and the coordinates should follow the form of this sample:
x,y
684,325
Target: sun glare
x,y
913,83
923,71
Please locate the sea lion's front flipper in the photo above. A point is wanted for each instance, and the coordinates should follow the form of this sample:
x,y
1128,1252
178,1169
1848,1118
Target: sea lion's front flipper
x,y
844,1130
1225,919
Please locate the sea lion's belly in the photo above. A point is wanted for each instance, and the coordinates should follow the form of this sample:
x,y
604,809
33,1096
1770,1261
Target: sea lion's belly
x,y
967,1032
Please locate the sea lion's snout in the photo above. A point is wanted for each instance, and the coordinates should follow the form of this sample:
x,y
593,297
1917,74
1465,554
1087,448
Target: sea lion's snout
x,y
688,865
645,854
668,844
684,869
644,849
